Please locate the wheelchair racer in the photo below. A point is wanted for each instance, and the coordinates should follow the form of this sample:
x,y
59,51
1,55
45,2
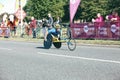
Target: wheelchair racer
x,y
50,28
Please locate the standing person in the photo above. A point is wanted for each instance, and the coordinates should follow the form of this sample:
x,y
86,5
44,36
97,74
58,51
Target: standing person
x,y
50,21
16,21
4,25
50,26
98,23
113,17
114,22
44,26
12,24
23,29
99,18
58,21
33,26
27,27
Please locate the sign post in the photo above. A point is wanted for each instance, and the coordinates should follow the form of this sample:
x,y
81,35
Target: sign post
x,y
20,14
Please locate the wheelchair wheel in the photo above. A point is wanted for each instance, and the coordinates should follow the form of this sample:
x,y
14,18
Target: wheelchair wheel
x,y
71,44
57,44
48,43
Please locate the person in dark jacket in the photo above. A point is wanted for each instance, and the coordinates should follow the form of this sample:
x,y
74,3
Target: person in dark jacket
x,y
50,28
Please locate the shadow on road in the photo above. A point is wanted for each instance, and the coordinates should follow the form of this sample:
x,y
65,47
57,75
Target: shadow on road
x,y
51,48
40,48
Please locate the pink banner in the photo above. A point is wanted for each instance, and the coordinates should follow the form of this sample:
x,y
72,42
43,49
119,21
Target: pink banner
x,y
93,31
83,31
73,8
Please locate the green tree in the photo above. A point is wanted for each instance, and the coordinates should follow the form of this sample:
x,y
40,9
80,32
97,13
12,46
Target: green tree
x,y
89,8
40,8
86,11
114,5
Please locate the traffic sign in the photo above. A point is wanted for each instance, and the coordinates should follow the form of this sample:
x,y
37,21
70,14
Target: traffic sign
x,y
20,14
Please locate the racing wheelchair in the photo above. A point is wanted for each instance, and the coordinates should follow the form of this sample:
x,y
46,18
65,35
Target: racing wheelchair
x,y
56,40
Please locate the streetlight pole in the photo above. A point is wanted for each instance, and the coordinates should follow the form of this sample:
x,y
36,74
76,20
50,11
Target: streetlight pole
x,y
20,7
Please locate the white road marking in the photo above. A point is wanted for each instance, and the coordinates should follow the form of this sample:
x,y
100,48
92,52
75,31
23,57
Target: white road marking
x,y
82,58
5,49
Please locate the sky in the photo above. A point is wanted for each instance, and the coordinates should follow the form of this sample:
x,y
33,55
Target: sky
x,y
9,6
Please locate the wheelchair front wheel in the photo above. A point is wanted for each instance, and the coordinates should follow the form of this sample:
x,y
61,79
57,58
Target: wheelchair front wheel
x,y
71,44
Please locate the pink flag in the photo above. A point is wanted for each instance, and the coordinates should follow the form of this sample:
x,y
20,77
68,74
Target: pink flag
x,y
73,8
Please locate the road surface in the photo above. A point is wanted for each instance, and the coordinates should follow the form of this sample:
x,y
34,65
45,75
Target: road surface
x,y
30,61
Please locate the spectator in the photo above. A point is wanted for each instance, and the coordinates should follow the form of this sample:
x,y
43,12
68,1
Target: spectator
x,y
44,27
15,22
98,19
44,22
58,21
114,17
11,25
27,28
50,21
50,26
4,30
98,22
33,26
